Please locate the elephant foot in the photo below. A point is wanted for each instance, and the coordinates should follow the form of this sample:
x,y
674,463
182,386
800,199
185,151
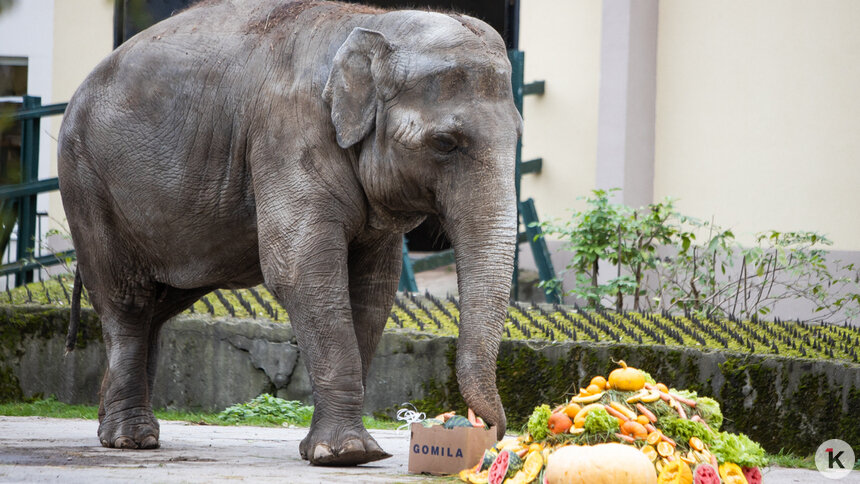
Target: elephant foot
x,y
338,447
129,430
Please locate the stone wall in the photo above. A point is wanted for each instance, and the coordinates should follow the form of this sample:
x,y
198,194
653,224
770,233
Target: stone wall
x,y
209,364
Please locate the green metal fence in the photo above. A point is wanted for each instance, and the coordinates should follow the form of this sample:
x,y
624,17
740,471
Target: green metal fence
x,y
18,195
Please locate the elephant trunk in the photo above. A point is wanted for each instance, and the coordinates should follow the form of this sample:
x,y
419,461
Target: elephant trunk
x,y
483,237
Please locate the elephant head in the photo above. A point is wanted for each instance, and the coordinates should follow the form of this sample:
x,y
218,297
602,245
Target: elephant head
x,y
425,103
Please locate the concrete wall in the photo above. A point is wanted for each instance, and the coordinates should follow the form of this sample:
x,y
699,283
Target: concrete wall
x,y
208,364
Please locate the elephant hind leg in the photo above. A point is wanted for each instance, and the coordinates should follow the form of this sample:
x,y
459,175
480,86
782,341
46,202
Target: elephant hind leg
x,y
130,333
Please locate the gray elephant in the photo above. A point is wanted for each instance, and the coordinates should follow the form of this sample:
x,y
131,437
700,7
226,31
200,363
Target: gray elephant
x,y
291,143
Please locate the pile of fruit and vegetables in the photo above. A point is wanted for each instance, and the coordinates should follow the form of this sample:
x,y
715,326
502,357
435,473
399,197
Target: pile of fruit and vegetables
x,y
626,428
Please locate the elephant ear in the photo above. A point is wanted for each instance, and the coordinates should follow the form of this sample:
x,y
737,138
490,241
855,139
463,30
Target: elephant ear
x,y
354,84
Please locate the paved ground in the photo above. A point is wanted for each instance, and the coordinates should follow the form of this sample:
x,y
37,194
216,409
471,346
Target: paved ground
x,y
35,449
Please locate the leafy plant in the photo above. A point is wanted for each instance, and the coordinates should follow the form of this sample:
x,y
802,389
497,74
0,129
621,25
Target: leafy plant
x,y
703,268
270,409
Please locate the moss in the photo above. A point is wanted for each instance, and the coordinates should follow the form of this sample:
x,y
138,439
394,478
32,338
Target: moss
x,y
10,387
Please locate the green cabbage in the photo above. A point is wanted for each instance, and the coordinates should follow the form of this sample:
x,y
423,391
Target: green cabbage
x,y
538,425
682,429
598,421
709,409
738,448
648,378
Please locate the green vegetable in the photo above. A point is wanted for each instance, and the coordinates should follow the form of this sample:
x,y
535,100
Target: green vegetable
x,y
598,421
457,421
539,422
648,378
682,429
709,409
738,448
684,393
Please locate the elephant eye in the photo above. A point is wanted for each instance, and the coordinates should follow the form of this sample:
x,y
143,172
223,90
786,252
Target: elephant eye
x,y
444,142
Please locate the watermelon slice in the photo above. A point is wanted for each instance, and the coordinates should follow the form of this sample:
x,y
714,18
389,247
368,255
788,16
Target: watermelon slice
x,y
457,421
753,475
487,461
705,474
506,465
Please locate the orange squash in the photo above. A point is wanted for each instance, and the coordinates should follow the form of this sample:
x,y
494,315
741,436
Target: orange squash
x,y
559,422
626,379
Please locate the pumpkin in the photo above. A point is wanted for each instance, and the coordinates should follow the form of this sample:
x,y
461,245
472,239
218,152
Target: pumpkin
x,y
634,429
676,472
731,473
626,379
599,464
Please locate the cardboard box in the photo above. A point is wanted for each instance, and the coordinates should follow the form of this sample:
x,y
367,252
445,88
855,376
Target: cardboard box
x,y
437,450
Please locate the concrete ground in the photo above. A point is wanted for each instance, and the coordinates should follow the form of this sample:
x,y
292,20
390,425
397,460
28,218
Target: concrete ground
x,y
37,449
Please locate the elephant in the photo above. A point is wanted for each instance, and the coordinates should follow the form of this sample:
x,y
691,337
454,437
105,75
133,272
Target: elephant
x,y
291,143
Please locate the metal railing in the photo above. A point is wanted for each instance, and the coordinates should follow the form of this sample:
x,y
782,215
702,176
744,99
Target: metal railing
x,y
21,225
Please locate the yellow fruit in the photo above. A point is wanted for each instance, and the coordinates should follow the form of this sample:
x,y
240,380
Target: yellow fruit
x,y
626,379
651,397
730,473
665,449
677,472
592,389
643,420
650,452
599,381
571,410
587,398
696,444
536,447
663,388
532,466
654,437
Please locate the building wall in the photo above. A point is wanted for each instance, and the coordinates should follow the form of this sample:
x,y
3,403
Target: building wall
x,y
561,41
26,31
83,36
758,114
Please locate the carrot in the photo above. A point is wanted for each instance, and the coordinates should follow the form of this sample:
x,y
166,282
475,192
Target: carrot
x,y
686,401
615,413
670,441
666,397
649,386
702,421
647,413
650,428
559,408
522,453
679,408
625,438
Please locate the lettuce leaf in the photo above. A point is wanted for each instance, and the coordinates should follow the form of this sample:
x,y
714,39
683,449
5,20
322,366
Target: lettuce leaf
x,y
598,421
738,448
538,424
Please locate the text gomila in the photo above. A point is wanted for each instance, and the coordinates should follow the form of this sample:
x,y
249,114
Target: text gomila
x,y
436,450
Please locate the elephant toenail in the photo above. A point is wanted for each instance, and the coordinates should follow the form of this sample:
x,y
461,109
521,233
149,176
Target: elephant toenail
x,y
149,442
124,443
322,452
352,445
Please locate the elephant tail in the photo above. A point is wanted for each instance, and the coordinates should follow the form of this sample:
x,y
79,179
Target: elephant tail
x,y
75,314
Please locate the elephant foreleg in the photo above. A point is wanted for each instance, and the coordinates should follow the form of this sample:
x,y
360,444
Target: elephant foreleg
x,y
374,273
313,287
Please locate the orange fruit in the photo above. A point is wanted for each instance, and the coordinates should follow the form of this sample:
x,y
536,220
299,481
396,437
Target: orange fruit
x,y
599,381
665,449
677,472
535,447
559,422
643,420
650,452
662,388
696,444
571,410
592,389
654,437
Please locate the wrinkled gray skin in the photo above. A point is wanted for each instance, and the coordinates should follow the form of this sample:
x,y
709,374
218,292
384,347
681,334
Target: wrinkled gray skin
x,y
251,141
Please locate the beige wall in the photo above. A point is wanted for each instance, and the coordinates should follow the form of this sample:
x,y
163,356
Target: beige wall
x,y
83,36
561,41
758,114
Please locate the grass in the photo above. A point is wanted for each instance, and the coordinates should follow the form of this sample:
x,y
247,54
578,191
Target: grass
x,y
52,408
